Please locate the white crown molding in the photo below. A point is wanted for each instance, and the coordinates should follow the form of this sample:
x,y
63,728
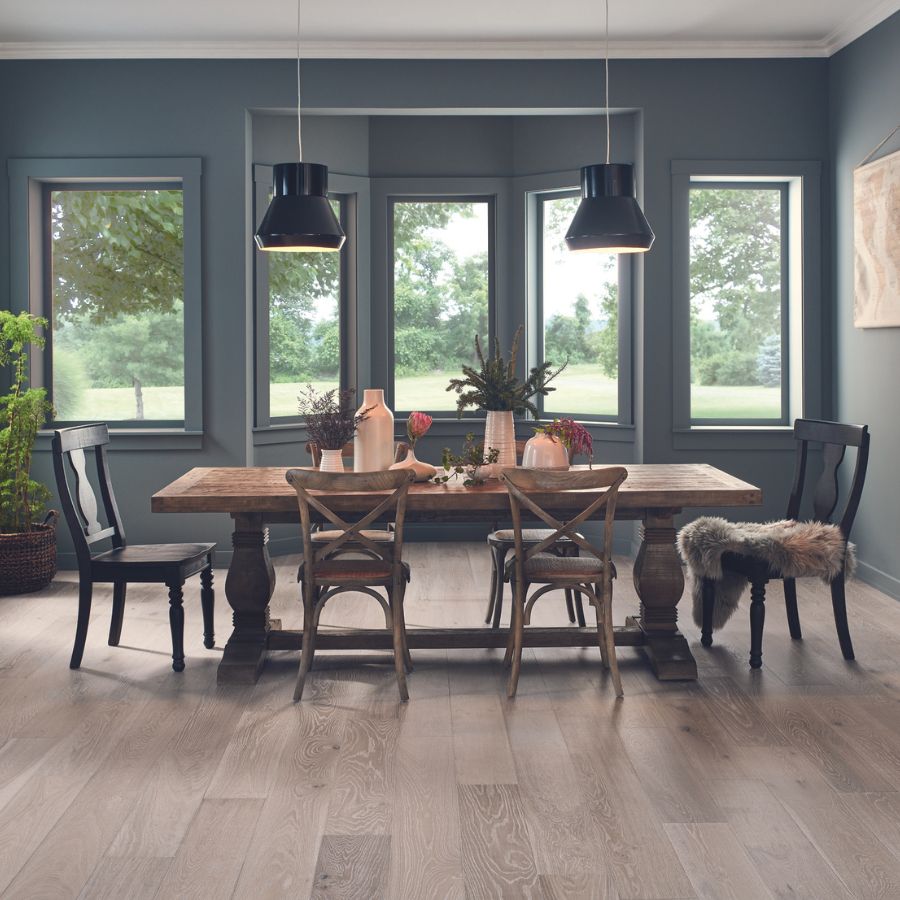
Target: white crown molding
x,y
857,24
852,28
413,50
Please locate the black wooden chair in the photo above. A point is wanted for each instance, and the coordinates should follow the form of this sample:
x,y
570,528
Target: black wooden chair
x,y
169,564
835,437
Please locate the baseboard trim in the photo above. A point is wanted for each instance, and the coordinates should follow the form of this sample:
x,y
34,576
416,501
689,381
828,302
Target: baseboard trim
x,y
885,582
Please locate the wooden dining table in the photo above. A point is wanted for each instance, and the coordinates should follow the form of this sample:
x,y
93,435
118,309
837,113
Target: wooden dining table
x,y
257,497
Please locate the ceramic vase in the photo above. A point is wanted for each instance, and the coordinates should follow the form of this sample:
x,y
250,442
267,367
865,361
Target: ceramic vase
x,y
373,446
423,470
331,461
544,451
500,435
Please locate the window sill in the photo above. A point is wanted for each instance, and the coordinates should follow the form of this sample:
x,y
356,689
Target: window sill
x,y
140,439
446,426
734,437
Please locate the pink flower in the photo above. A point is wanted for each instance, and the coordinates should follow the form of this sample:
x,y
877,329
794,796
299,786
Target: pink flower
x,y
416,425
574,436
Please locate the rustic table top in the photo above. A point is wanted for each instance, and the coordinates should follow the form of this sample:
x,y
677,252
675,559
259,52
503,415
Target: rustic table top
x,y
264,490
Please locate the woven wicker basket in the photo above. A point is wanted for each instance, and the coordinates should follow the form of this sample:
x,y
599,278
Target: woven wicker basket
x,y
28,559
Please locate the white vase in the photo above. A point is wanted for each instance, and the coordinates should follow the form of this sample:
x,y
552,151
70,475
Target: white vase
x,y
332,461
373,446
544,451
500,435
424,471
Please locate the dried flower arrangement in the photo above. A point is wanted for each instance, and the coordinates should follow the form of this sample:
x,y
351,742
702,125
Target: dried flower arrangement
x,y
331,418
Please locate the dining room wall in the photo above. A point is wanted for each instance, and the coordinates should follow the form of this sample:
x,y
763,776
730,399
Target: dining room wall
x,y
864,107
683,109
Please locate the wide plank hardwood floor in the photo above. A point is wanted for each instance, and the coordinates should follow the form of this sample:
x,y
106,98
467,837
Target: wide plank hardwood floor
x,y
127,780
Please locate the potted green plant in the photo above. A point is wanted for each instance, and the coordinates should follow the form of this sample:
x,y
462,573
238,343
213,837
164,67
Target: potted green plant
x,y
495,388
27,548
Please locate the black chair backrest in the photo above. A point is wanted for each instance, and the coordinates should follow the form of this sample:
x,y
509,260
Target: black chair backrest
x,y
78,500
836,438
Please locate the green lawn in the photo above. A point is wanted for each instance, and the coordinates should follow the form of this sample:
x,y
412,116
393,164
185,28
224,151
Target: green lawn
x,y
735,402
117,404
580,390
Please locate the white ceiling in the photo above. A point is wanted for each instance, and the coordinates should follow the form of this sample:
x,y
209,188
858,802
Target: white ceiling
x,y
442,29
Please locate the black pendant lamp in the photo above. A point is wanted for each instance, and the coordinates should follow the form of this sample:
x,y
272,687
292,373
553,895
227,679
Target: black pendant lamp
x,y
609,218
300,218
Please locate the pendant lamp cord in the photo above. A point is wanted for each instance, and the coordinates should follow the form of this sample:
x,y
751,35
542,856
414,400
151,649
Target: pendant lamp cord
x,y
299,132
606,78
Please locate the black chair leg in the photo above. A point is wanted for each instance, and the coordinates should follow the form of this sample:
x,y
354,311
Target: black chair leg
x,y
570,608
208,603
118,613
85,590
839,604
500,563
790,605
757,621
176,625
579,610
708,589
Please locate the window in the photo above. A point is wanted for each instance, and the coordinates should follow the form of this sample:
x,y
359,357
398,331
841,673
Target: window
x,y
738,302
441,294
578,314
109,253
115,258
305,292
747,290
305,306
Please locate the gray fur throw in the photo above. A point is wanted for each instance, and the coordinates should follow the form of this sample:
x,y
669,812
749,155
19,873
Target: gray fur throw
x,y
795,549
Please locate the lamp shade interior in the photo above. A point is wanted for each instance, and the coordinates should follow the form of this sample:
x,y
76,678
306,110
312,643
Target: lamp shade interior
x,y
300,217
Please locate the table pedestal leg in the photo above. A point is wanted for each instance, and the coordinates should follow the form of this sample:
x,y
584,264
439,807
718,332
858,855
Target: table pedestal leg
x,y
659,582
248,588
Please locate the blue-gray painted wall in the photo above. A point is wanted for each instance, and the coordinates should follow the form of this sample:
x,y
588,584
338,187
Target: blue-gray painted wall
x,y
864,93
687,109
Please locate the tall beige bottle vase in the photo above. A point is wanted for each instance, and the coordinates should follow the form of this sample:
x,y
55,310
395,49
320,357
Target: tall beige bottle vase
x,y
373,446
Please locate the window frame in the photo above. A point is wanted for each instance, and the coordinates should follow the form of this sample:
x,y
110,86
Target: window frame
x,y
31,181
439,196
535,200
342,191
783,187
801,283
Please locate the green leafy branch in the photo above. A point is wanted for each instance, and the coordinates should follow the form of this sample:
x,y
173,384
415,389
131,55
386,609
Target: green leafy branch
x,y
467,463
496,388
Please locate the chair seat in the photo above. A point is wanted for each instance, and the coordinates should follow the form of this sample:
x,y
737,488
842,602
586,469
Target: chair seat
x,y
350,571
548,567
150,562
529,536
325,537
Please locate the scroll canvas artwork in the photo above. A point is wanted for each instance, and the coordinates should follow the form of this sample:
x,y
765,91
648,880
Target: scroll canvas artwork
x,y
876,241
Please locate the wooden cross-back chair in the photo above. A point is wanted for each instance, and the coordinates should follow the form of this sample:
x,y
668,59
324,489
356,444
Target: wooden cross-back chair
x,y
835,437
322,535
169,564
501,544
591,573
325,572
